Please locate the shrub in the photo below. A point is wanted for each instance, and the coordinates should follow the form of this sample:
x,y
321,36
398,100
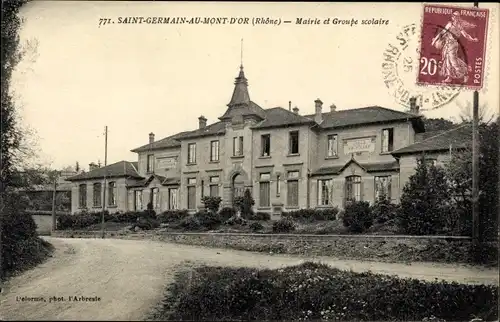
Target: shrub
x,y
226,213
21,247
208,220
383,210
190,223
424,203
313,214
170,216
236,221
245,203
264,216
212,203
126,217
284,225
148,214
312,291
357,216
147,223
256,226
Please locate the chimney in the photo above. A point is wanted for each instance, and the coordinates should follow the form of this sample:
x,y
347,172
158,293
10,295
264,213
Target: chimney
x,y
296,110
318,116
202,121
289,105
93,166
414,108
151,137
333,108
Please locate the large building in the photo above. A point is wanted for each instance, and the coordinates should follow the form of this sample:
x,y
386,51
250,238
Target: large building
x,y
287,160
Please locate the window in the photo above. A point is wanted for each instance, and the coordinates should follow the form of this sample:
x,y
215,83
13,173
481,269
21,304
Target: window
x,y
202,188
155,198
191,193
172,199
265,145
265,190
214,186
278,185
82,194
151,164
138,199
97,193
292,189
191,153
353,188
214,151
237,146
383,187
387,140
325,190
294,143
112,194
332,146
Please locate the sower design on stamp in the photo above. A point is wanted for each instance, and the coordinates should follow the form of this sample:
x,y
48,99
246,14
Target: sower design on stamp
x,y
453,46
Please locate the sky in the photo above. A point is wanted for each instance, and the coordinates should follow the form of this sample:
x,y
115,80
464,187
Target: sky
x,y
78,77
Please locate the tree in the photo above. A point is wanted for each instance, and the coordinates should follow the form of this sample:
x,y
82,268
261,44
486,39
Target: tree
x,y
465,115
425,201
459,173
437,124
20,247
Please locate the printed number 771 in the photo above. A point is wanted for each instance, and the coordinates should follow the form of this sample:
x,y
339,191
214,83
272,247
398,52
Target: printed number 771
x,y
103,21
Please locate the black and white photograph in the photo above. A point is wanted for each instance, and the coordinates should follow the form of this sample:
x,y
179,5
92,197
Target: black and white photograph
x,y
240,161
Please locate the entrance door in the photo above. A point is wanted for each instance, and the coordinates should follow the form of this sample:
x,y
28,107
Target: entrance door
x,y
238,186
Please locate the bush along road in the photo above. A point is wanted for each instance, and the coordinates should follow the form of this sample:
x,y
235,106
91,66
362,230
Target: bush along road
x,y
112,279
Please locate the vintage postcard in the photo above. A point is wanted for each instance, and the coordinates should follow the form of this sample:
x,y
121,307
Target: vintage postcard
x,y
249,161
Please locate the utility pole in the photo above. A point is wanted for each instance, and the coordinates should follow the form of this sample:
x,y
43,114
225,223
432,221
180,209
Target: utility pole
x,y
104,185
476,238
54,193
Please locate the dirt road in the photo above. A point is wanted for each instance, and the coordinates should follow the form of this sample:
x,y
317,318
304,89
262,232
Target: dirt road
x,y
129,277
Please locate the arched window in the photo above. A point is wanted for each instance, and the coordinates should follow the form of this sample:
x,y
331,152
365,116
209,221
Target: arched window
x,y
352,189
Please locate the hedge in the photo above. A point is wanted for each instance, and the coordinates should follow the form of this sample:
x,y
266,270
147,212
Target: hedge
x,y
313,291
313,214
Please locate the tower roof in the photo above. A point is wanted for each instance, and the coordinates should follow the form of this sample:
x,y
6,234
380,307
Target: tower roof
x,y
240,92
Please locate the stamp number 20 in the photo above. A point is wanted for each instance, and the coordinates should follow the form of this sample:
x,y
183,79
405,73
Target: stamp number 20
x,y
429,66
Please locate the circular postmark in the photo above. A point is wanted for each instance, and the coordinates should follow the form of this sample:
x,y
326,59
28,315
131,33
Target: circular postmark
x,y
400,67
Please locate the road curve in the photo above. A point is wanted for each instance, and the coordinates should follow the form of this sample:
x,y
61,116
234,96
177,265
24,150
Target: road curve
x,y
129,277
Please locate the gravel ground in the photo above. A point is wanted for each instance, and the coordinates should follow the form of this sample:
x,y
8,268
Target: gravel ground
x,y
129,277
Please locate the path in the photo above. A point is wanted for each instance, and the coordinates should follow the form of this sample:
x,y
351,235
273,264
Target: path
x,y
130,276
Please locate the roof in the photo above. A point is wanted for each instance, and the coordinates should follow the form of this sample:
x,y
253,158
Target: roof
x,y
425,135
251,108
368,167
458,137
366,115
218,128
278,116
240,104
118,169
165,143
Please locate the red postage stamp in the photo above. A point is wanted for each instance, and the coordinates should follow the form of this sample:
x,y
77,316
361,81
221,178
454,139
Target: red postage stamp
x,y
453,46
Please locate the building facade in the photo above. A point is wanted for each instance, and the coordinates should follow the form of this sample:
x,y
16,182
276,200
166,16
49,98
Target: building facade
x,y
287,160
